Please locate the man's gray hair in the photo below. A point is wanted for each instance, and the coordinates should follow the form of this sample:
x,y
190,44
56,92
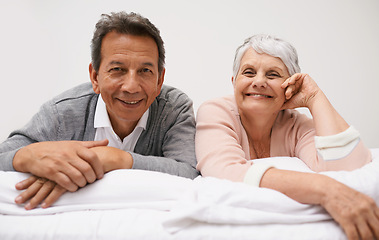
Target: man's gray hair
x,y
125,23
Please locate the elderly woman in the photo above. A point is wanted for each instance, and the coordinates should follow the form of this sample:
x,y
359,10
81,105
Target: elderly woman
x,y
259,122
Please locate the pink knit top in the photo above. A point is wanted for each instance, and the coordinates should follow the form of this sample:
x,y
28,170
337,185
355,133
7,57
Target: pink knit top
x,y
222,147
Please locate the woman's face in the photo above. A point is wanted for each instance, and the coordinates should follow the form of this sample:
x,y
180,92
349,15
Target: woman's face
x,y
257,87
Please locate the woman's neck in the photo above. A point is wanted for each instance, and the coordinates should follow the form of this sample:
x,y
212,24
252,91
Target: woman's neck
x,y
258,128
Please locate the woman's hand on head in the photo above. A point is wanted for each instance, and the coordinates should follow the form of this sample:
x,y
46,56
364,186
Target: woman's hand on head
x,y
300,91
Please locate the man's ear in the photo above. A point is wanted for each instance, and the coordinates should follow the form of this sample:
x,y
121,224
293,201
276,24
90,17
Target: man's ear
x,y
93,76
161,79
233,81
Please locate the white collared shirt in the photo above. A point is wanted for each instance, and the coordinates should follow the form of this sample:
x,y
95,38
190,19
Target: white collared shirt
x,y
104,129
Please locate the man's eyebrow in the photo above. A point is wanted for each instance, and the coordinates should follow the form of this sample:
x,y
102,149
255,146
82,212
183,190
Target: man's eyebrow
x,y
148,64
116,63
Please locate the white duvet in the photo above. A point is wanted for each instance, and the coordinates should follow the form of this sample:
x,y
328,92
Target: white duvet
x,y
135,204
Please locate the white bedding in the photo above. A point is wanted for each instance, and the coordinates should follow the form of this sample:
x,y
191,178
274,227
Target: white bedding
x,y
135,204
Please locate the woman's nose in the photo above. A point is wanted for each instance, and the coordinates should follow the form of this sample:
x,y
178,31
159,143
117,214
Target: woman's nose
x,y
259,81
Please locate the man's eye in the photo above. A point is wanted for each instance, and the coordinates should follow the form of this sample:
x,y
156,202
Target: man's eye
x,y
146,70
115,69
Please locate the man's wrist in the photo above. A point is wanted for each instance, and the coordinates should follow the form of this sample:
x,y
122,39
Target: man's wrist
x,y
18,163
126,160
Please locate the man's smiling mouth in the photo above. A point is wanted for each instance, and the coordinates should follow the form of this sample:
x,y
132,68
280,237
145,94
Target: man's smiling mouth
x,y
131,102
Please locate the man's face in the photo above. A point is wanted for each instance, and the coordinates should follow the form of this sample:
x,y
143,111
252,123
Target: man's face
x,y
128,78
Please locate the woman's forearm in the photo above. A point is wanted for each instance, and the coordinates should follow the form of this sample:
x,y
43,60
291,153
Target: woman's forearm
x,y
308,188
327,120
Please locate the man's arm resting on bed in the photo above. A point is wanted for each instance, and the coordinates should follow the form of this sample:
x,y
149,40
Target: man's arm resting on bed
x,y
41,190
71,164
357,213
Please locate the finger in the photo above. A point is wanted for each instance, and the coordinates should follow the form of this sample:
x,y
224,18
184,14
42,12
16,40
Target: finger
x,y
374,222
30,191
294,78
63,180
94,161
26,183
91,144
68,173
43,192
363,229
351,232
285,83
290,91
55,194
76,175
87,173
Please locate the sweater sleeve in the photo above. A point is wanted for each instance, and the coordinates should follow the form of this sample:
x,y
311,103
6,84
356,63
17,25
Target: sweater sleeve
x,y
343,151
42,127
354,154
65,117
219,141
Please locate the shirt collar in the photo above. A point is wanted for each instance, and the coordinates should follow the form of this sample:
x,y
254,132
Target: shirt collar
x,y
102,117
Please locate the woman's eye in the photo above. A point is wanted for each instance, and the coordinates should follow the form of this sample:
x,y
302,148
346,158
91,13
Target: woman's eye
x,y
273,75
249,73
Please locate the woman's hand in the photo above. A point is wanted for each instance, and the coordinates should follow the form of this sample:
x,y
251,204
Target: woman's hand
x,y
41,190
300,91
356,213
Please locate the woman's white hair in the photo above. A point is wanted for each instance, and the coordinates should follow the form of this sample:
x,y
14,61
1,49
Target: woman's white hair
x,y
272,46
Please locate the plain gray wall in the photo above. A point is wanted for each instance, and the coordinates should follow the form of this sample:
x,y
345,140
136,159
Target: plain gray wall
x,y
44,47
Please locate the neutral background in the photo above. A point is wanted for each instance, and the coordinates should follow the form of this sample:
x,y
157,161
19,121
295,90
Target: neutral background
x,y
44,49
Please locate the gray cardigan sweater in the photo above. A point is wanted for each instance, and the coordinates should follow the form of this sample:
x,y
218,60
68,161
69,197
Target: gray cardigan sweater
x,y
167,145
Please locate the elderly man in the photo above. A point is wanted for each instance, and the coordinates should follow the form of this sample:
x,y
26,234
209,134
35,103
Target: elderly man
x,y
126,118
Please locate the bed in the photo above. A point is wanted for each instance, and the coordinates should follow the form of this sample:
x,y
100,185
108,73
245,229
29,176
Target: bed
x,y
136,204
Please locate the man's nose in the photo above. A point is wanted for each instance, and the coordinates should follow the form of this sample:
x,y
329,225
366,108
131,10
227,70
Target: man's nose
x,y
130,83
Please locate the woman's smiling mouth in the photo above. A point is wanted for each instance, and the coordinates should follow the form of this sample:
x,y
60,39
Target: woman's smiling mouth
x,y
257,95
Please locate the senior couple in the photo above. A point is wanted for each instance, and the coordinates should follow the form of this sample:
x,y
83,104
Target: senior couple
x,y
126,118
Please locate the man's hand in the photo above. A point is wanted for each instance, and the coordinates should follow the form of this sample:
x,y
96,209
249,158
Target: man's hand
x,y
38,190
41,190
113,158
71,164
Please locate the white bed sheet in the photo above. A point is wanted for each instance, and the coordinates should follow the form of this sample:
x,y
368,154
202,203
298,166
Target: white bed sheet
x,y
135,204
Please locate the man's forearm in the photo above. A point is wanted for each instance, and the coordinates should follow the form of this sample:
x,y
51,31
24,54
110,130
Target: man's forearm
x,y
164,164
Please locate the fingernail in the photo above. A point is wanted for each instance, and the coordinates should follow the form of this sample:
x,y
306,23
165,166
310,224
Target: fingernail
x,y
18,199
28,206
44,205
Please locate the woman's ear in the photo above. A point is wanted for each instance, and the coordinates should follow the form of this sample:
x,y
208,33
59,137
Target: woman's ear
x,y
233,81
93,76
